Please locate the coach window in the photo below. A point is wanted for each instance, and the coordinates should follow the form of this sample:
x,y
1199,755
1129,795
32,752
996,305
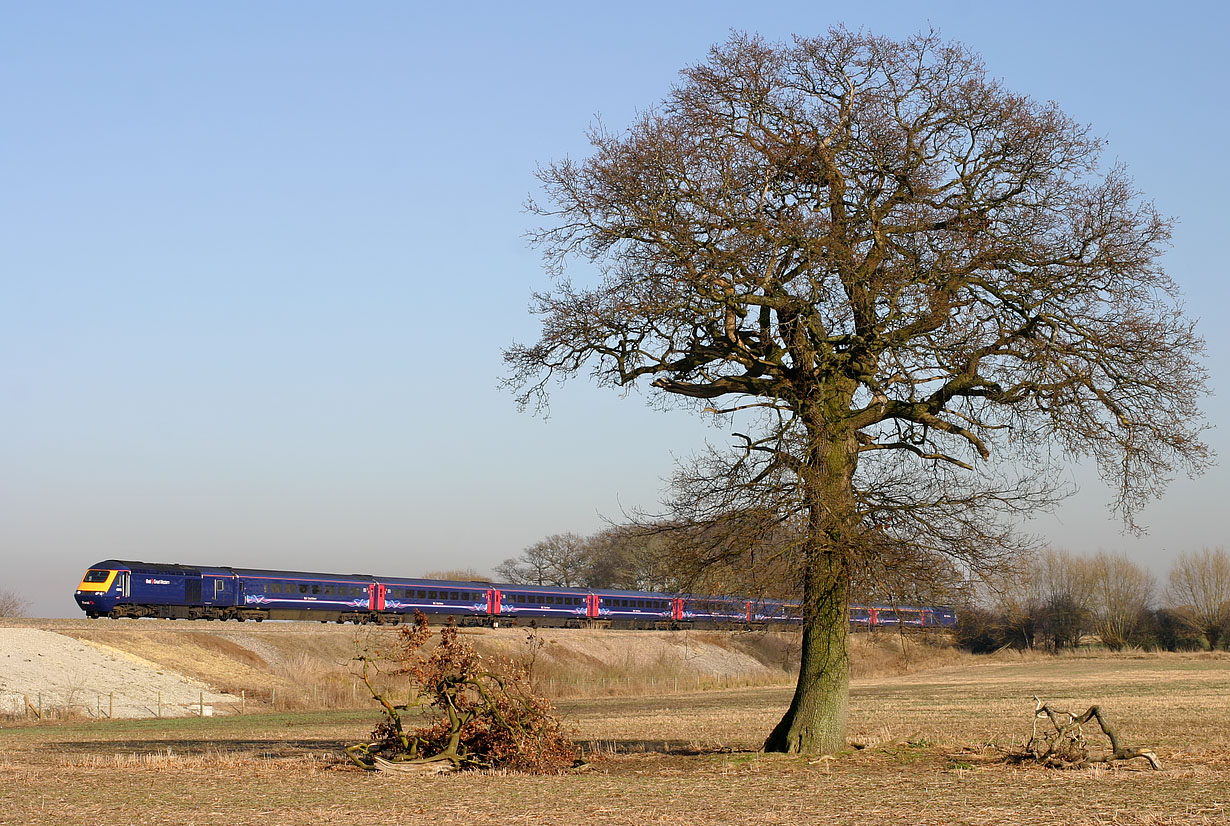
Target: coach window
x,y
431,595
303,589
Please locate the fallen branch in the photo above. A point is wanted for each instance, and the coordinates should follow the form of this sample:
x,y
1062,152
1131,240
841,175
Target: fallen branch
x,y
1066,746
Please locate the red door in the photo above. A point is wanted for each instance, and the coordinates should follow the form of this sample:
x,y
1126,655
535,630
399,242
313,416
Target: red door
x,y
493,602
375,593
591,605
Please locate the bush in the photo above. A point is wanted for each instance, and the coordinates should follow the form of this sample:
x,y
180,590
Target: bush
x,y
1173,632
978,631
487,716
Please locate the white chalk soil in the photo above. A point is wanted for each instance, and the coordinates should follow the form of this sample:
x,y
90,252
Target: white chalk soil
x,y
63,677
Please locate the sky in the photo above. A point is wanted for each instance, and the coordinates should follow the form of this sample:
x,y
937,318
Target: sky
x,y
259,261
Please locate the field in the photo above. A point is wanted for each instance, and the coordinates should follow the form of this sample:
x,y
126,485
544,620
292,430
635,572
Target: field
x,y
932,753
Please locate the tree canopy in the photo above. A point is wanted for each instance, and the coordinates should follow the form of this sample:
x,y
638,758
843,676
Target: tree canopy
x,y
915,291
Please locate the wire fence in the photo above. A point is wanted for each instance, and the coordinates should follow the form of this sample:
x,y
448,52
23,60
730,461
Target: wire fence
x,y
85,704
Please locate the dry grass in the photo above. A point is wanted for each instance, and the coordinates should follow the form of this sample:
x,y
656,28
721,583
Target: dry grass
x,y
934,742
299,666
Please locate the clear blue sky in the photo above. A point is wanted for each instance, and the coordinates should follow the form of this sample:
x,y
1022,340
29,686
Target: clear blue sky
x,y
258,262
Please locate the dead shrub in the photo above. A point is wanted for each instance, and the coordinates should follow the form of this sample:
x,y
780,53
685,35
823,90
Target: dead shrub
x,y
487,715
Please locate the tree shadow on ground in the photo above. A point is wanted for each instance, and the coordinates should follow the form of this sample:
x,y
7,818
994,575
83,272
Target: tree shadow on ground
x,y
255,747
669,747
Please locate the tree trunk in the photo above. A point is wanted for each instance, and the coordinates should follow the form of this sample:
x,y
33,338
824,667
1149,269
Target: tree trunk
x,y
1213,634
816,719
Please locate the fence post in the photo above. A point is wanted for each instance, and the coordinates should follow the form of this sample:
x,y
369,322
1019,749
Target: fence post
x,y
243,701
200,704
159,705
111,706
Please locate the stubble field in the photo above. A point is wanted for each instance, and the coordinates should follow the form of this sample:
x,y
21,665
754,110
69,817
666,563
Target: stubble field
x,y
932,752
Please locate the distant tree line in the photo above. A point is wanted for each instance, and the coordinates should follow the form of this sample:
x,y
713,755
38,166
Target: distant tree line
x,y
1049,600
1057,600
756,562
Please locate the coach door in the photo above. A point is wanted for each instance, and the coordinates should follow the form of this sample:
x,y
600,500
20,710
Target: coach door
x,y
375,593
125,584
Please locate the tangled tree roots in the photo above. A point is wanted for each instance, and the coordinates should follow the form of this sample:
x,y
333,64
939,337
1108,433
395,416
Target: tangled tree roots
x,y
487,716
1066,746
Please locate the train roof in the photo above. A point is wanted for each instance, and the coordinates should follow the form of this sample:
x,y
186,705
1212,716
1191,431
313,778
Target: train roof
x,y
271,573
149,567
635,594
503,587
423,582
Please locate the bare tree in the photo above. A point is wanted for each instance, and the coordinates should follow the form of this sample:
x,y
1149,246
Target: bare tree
x,y
560,559
1199,592
1065,614
12,605
631,557
1120,596
903,283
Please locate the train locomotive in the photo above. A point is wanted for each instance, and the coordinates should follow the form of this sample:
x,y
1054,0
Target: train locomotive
x,y
117,588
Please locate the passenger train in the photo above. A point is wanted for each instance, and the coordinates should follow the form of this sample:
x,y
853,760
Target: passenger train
x,y
115,588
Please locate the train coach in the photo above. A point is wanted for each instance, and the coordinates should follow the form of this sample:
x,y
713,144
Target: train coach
x,y
117,588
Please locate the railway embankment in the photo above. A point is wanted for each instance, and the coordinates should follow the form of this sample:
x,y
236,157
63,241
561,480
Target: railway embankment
x,y
80,668
145,668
